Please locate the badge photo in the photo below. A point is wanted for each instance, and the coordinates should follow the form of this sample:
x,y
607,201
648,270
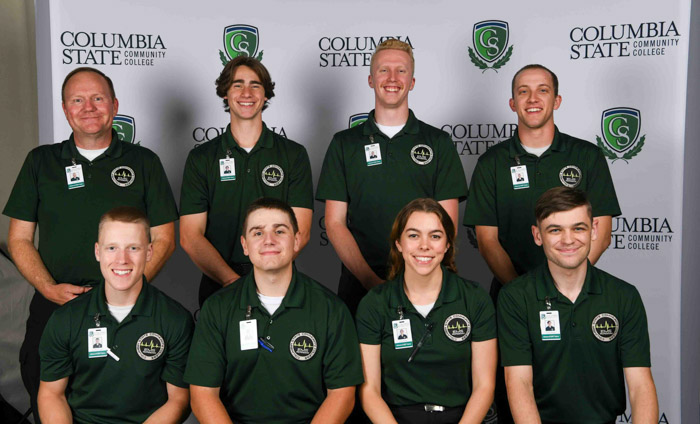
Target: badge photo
x,y
570,176
123,176
519,176
150,346
97,342
457,327
401,330
373,154
272,175
605,327
227,169
74,176
549,325
303,346
422,154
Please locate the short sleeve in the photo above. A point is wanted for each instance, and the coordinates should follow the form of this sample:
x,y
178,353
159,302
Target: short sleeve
x,y
178,346
481,202
332,183
301,190
24,199
369,321
450,182
513,335
206,364
342,363
634,333
484,317
601,190
194,193
160,203
54,348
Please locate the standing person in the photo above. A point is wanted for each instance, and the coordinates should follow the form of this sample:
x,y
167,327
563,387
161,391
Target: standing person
x,y
428,337
276,346
117,353
223,176
363,194
575,372
109,172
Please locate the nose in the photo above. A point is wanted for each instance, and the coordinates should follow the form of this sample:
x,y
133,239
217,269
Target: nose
x,y
567,237
121,256
89,104
268,238
424,243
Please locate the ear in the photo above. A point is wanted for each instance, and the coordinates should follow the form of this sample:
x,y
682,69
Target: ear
x,y
537,235
97,252
557,102
116,106
297,242
398,246
149,252
244,245
511,103
413,83
594,230
369,81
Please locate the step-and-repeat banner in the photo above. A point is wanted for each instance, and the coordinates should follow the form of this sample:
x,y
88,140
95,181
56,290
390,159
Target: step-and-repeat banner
x,y
622,68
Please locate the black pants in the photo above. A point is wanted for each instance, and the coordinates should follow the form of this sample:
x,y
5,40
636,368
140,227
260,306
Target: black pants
x,y
207,286
416,414
350,290
40,311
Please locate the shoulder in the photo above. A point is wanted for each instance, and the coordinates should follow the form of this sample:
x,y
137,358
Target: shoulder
x,y
496,152
521,287
430,131
46,151
612,284
577,144
75,308
282,142
349,136
318,292
206,149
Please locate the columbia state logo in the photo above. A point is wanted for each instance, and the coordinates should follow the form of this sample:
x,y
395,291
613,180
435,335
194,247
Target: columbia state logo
x,y
457,327
605,327
240,40
123,176
125,126
490,39
150,346
272,175
303,346
422,154
621,127
357,119
570,176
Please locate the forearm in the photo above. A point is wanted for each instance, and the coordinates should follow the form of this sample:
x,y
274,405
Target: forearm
x,y
521,397
209,409
478,405
643,398
172,411
498,260
374,406
54,408
349,253
30,265
208,259
337,406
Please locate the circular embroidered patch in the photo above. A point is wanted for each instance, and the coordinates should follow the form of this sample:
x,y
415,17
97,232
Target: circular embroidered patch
x,y
123,176
457,327
422,154
605,327
272,175
303,346
150,346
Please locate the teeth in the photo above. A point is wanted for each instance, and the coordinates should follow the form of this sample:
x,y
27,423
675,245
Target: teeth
x,y
392,89
533,109
122,272
245,104
424,259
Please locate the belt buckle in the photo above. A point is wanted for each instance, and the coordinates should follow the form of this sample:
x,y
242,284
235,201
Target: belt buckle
x,y
434,408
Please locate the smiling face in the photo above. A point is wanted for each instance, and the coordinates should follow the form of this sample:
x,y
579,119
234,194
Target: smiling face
x,y
566,237
391,77
423,244
246,96
269,240
122,250
533,99
89,106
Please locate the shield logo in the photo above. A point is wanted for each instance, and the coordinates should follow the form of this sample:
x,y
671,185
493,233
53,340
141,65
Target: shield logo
x,y
357,119
490,39
125,127
240,40
620,127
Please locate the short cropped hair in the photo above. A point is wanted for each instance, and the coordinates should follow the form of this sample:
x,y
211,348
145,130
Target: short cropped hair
x,y
555,80
561,199
393,44
126,214
86,69
225,80
271,203
396,261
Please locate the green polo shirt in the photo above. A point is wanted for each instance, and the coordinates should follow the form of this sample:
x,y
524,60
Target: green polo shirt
x,y
493,200
226,201
578,379
314,349
124,175
419,161
103,390
444,361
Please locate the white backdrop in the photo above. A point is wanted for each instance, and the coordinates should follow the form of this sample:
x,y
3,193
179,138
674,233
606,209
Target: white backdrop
x,y
164,57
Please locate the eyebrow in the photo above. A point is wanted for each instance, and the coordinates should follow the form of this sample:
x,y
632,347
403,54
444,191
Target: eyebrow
x,y
429,232
260,227
240,81
578,224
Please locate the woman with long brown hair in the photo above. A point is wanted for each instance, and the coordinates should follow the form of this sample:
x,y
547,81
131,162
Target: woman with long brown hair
x,y
427,336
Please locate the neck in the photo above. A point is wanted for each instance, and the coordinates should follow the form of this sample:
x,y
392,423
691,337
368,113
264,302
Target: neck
x,y
536,137
246,132
422,289
391,117
569,282
93,141
123,298
274,283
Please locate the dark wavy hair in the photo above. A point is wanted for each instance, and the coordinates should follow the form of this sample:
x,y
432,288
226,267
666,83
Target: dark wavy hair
x,y
396,262
560,199
225,80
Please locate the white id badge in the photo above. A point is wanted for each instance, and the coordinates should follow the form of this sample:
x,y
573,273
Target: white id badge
x,y
549,325
403,339
74,176
519,176
373,154
97,342
227,169
249,334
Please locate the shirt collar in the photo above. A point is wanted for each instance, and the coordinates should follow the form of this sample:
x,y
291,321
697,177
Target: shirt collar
x,y
516,148
544,283
70,151
449,292
265,141
144,303
294,298
411,127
